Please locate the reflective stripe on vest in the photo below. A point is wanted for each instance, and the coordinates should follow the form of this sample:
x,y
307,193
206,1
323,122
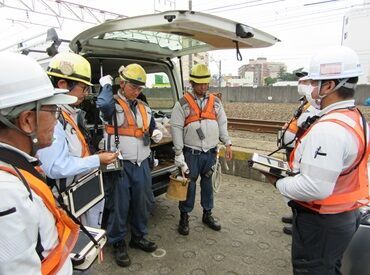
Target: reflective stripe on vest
x,y
66,228
351,190
293,126
131,129
85,148
196,114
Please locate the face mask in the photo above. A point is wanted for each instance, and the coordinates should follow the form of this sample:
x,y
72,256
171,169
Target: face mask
x,y
308,89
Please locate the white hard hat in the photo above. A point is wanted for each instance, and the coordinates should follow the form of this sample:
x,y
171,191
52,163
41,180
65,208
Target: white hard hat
x,y
336,62
22,80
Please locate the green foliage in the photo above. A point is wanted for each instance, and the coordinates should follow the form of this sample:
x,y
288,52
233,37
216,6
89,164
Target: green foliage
x,y
269,81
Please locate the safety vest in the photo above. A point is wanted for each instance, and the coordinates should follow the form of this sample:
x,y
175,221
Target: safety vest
x,y
351,190
66,228
129,126
293,126
196,114
85,148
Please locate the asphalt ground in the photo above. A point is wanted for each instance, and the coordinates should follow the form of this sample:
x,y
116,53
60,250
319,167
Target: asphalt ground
x,y
251,240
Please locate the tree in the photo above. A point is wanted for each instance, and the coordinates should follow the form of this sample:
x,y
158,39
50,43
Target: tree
x,y
269,81
281,72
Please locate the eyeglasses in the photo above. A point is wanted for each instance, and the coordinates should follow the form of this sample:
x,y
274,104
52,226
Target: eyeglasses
x,y
85,88
55,110
135,87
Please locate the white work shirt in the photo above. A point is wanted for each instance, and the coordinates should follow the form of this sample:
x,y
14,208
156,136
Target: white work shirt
x,y
323,154
214,130
19,230
63,158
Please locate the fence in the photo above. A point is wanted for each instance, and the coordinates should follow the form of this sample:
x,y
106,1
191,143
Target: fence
x,y
287,94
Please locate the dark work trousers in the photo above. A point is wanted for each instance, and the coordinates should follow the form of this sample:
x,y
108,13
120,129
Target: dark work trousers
x,y
319,241
128,190
199,163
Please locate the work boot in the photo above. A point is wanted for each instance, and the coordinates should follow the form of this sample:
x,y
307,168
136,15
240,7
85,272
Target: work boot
x,y
120,254
143,244
210,221
288,230
183,228
287,219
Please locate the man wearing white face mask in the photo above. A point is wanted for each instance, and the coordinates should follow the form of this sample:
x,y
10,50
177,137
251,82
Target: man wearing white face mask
x,y
330,162
304,111
294,128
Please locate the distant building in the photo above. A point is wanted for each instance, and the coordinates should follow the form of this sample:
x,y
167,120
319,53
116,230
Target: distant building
x,y
237,81
189,61
259,69
353,36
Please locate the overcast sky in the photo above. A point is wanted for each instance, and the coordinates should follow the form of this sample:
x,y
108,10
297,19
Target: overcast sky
x,y
303,25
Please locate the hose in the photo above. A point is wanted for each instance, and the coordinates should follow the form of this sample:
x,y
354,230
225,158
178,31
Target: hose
x,y
217,173
217,177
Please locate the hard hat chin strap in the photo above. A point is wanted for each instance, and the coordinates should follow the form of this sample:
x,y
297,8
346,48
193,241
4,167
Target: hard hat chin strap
x,y
123,88
33,136
34,140
345,84
342,83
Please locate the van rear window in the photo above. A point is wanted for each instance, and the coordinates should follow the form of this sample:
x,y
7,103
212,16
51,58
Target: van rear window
x,y
159,91
173,42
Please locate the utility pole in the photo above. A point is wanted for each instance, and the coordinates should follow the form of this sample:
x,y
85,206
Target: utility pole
x,y
190,5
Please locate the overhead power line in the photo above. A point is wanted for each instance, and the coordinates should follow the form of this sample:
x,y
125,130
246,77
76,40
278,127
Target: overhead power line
x,y
232,5
59,10
244,5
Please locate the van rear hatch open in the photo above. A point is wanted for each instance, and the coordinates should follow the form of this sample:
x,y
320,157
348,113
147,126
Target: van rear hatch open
x,y
169,34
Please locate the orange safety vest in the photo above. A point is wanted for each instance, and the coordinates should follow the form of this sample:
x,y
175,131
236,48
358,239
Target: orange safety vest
x,y
351,190
196,114
85,148
129,126
293,126
67,229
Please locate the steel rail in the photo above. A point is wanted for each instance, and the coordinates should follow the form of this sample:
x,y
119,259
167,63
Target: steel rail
x,y
255,125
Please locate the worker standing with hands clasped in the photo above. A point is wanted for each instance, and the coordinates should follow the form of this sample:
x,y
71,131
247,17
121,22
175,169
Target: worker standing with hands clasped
x,y
130,121
198,123
36,236
69,157
330,160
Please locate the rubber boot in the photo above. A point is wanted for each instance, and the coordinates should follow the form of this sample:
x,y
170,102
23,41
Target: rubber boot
x,y
183,228
120,254
210,221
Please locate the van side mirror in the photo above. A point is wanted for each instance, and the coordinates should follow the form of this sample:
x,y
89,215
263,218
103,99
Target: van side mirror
x,y
244,31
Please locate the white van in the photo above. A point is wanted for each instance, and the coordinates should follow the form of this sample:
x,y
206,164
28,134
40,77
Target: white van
x,y
157,42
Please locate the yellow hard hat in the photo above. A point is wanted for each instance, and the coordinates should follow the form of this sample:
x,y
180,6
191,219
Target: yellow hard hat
x,y
200,74
134,74
70,66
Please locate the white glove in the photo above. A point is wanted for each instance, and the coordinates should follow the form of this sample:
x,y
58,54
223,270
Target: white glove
x,y
157,135
107,79
180,162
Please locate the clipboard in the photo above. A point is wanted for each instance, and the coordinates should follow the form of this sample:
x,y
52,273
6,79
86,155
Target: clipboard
x,y
273,166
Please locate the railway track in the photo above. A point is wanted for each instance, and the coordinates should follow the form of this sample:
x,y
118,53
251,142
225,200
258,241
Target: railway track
x,y
255,125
